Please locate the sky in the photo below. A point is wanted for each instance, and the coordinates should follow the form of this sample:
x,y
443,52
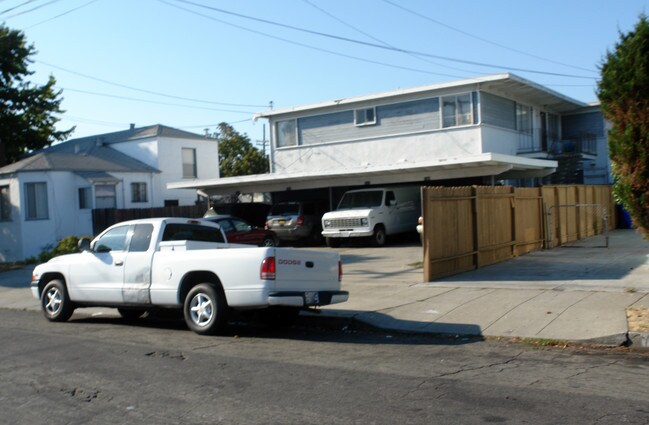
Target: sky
x,y
191,64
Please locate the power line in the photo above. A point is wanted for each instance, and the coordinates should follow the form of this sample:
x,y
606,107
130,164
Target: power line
x,y
61,14
310,46
348,25
149,91
484,40
150,101
375,45
30,10
17,7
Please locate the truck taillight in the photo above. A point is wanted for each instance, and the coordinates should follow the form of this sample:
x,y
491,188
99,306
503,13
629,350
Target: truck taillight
x,y
267,269
300,220
340,271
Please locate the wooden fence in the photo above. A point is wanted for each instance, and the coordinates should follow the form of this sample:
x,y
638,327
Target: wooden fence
x,y
470,227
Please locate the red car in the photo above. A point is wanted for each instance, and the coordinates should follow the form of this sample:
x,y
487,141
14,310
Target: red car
x,y
238,230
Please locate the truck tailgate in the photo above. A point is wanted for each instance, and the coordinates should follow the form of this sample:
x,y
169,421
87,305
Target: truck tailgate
x,y
306,270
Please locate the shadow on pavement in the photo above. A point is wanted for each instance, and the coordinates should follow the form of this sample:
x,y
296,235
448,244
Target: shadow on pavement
x,y
344,330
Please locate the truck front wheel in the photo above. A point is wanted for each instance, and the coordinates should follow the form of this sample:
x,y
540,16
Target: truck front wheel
x,y
55,302
379,238
204,309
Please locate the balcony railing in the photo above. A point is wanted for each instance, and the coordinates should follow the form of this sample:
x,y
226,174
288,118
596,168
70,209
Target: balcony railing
x,y
539,141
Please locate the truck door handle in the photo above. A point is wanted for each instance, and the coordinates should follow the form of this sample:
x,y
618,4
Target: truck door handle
x,y
119,263
309,264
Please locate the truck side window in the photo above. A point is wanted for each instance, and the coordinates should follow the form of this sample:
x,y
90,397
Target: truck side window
x,y
389,198
191,232
141,238
113,240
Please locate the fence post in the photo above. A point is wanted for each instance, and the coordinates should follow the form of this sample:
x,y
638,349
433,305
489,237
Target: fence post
x,y
475,226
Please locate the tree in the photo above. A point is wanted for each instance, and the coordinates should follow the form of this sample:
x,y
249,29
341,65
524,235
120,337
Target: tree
x,y
623,92
237,156
27,111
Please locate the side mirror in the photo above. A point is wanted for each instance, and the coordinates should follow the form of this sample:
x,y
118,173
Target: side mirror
x,y
84,244
393,202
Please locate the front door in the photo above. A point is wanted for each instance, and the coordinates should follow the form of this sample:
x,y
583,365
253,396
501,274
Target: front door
x,y
99,276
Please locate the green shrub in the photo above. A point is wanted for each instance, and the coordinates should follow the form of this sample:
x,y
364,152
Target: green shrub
x,y
66,245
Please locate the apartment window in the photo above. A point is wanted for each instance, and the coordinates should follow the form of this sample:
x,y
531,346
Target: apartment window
x,y
5,204
138,192
286,133
105,196
189,163
36,201
365,116
524,118
553,127
85,198
457,110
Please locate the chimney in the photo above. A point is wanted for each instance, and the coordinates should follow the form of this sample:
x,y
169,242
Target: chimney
x,y
132,126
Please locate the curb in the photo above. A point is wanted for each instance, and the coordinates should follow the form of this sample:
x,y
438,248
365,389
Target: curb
x,y
639,340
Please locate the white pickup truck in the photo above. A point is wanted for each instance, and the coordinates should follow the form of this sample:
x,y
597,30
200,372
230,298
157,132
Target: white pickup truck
x,y
178,263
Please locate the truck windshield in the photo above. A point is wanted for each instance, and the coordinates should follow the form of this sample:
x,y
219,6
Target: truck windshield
x,y
364,199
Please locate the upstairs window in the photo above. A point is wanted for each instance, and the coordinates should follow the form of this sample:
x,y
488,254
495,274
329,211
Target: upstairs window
x,y
523,118
189,163
5,204
138,192
85,198
36,201
286,133
365,116
457,110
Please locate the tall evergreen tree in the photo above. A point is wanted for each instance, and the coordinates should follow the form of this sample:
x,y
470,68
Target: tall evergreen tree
x,y
624,95
237,156
27,111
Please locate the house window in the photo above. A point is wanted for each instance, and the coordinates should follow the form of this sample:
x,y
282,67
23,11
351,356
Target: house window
x,y
286,133
138,192
85,198
189,163
36,201
457,110
105,196
5,204
365,116
523,118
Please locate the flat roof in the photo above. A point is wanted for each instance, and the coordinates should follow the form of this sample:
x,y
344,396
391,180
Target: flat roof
x,y
505,83
488,164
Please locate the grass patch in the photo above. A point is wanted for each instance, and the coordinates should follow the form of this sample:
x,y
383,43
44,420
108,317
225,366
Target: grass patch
x,y
638,319
417,265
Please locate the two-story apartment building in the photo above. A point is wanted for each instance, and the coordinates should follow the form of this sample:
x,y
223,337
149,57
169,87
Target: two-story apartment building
x,y
479,130
51,193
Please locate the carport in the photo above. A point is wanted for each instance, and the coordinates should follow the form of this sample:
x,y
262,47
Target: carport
x,y
485,168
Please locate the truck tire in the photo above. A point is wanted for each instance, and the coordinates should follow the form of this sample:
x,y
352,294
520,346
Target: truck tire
x,y
204,309
55,303
379,237
130,314
333,242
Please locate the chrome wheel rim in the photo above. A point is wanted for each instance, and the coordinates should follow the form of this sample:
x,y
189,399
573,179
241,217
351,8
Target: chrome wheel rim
x,y
54,301
201,309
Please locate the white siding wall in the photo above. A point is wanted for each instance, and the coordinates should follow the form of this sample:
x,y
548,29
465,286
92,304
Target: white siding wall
x,y
164,154
11,246
447,143
170,163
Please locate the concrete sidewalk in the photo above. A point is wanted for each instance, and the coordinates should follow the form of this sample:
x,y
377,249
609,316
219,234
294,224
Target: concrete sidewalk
x,y
574,294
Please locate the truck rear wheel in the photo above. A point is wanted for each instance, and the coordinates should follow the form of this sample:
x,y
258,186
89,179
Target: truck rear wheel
x,y
204,309
55,302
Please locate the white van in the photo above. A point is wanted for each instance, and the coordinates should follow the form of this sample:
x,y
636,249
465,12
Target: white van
x,y
373,213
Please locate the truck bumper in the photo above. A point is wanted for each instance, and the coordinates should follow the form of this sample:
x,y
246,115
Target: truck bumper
x,y
347,233
308,298
34,289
